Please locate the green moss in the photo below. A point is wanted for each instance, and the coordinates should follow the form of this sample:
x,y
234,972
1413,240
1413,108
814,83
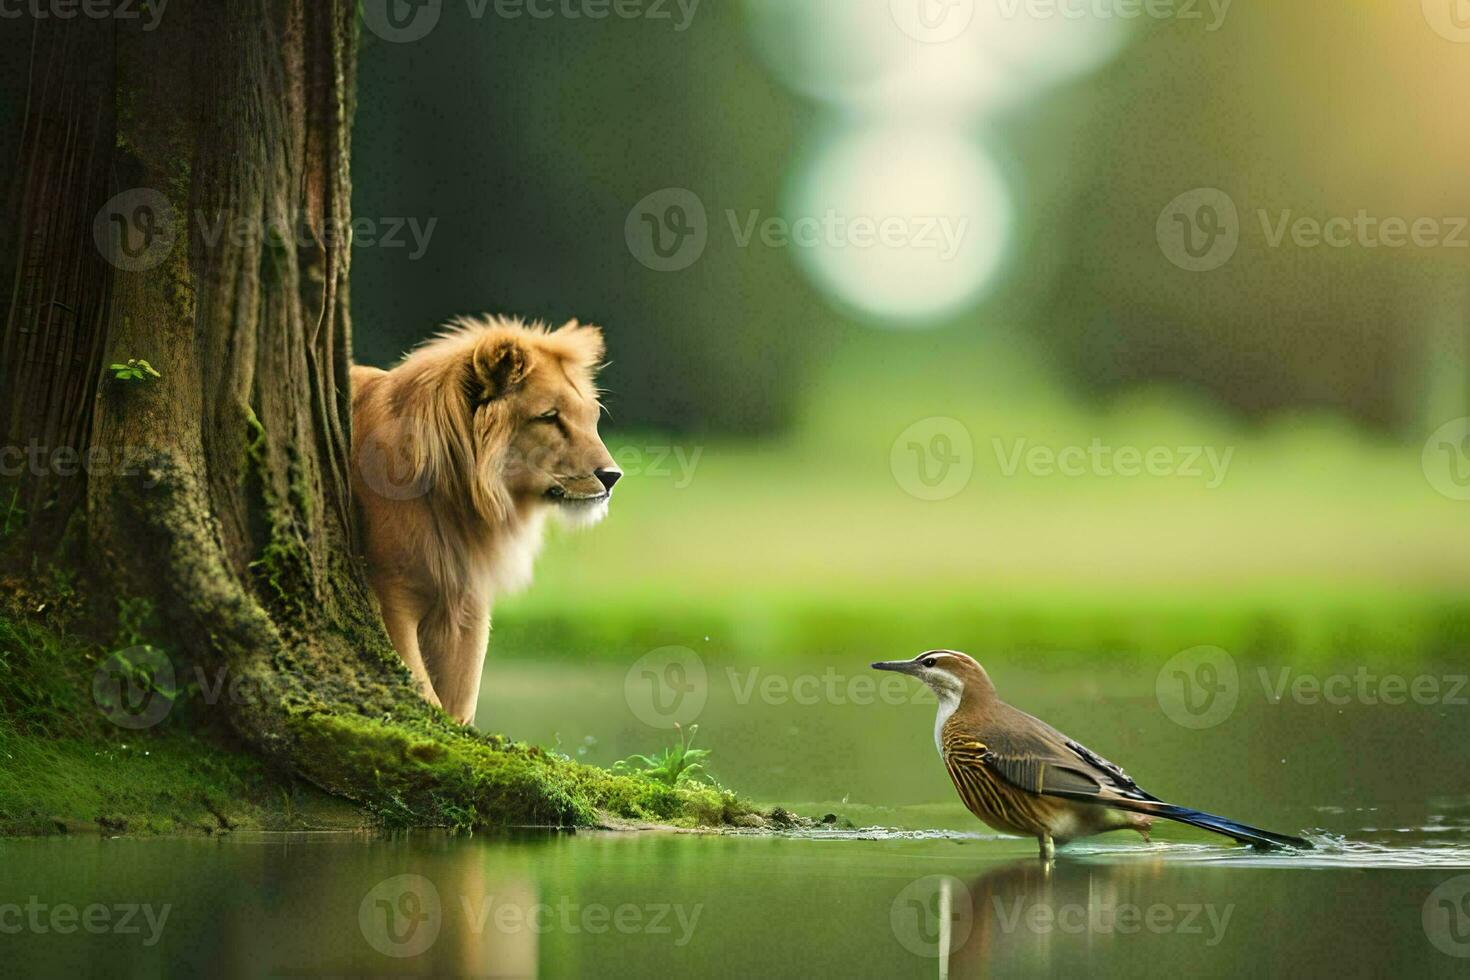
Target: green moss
x,y
411,775
279,567
65,767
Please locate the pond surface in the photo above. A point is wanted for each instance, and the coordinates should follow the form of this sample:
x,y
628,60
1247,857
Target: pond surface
x,y
1380,786
649,904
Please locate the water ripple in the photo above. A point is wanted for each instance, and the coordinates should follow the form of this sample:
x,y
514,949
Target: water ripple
x,y
1329,851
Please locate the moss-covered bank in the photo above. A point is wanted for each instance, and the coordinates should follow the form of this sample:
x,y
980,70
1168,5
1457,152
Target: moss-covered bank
x,y
66,766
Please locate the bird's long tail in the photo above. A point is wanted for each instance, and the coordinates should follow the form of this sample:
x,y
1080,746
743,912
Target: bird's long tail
x,y
1245,834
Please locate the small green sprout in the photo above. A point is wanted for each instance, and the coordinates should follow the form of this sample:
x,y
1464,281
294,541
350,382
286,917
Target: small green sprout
x,y
676,765
136,369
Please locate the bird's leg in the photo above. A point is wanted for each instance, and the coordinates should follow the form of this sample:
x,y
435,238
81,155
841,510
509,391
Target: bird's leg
x,y
1048,847
1143,824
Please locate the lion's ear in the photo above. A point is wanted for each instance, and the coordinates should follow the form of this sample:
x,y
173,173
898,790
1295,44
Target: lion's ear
x,y
497,367
582,341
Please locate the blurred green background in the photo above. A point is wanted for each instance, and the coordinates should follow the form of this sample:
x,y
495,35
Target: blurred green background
x,y
822,437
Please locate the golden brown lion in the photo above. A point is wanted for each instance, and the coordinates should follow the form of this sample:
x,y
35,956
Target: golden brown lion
x,y
458,456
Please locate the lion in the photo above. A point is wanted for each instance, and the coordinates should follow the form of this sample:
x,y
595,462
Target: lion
x,y
460,453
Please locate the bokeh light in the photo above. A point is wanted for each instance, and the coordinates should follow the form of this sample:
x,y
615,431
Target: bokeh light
x,y
906,111
941,209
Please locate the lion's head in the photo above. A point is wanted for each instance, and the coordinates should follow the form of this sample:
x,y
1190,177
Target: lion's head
x,y
503,418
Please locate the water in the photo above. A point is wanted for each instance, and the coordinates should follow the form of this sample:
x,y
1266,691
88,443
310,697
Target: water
x,y
683,905
914,888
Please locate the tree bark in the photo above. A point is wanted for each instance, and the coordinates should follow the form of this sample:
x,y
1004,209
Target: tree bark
x,y
184,199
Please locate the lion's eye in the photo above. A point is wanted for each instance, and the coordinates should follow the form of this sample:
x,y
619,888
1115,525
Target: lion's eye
x,y
548,416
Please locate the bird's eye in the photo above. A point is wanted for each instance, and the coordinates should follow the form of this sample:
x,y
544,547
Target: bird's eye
x,y
928,662
549,415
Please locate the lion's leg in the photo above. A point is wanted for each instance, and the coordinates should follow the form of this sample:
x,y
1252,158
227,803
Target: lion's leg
x,y
464,661
402,613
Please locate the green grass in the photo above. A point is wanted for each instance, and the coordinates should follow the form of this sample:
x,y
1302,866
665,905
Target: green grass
x,y
1320,539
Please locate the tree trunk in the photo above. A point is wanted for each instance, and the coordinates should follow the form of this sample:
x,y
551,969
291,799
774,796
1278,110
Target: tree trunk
x,y
184,199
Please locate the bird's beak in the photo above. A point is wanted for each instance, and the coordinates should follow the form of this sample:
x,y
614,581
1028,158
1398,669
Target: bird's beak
x,y
898,666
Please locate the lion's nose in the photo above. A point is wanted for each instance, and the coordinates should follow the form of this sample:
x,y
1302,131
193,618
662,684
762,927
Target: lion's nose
x,y
608,478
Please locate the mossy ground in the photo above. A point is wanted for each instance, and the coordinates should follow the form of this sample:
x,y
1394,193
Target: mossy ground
x,y
65,767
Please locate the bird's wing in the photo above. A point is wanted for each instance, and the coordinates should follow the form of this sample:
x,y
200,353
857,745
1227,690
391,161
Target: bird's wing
x,y
1033,756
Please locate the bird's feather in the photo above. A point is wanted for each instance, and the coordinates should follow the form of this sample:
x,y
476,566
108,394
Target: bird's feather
x,y
1010,759
1031,755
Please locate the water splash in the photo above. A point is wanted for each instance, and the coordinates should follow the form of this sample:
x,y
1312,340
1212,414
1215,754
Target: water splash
x,y
1329,851
1442,841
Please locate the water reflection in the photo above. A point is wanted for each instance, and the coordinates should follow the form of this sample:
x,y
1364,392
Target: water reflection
x,y
1022,911
861,903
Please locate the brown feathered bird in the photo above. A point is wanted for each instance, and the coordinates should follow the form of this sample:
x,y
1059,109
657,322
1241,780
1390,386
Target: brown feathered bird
x,y
1022,776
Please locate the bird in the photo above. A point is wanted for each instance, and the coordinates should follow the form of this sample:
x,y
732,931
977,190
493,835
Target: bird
x,y
1021,776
